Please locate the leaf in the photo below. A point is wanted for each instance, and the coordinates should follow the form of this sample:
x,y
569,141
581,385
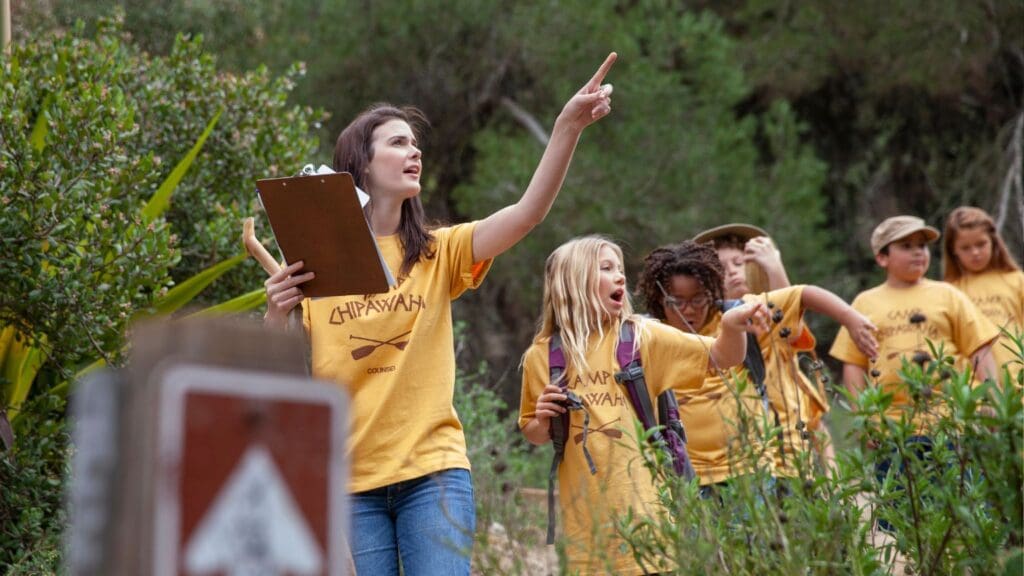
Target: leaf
x,y
41,127
20,368
161,200
239,304
183,293
244,303
6,337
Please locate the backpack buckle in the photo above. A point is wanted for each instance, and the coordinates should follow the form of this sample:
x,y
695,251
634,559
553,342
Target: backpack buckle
x,y
630,373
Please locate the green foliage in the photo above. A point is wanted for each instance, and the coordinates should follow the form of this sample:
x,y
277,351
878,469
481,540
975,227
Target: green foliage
x,y
87,126
85,230
955,510
673,159
76,258
32,474
503,465
913,106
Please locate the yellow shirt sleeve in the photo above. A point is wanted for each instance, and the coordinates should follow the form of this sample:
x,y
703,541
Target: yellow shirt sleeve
x,y
536,374
672,359
465,274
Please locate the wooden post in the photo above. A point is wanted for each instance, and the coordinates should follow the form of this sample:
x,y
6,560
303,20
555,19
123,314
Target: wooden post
x,y
206,412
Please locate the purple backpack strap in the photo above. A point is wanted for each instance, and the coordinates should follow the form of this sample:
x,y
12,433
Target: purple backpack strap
x,y
673,438
632,376
559,427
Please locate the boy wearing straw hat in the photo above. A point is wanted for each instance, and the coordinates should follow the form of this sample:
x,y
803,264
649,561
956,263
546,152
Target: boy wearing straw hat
x,y
752,265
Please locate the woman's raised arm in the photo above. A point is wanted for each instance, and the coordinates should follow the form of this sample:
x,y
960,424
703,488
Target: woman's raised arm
x,y
501,230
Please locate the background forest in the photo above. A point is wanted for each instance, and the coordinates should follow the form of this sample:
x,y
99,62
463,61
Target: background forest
x,y
812,119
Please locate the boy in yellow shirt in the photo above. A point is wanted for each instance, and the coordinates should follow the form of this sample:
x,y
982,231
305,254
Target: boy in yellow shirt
x,y
910,310
752,265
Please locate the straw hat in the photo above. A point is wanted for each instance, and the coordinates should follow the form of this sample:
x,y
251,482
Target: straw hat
x,y
744,231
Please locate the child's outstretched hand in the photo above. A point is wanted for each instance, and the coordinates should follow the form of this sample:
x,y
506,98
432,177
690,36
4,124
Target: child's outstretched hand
x,y
750,317
862,331
592,102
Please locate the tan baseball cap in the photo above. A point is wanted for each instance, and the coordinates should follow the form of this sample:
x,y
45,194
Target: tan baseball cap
x,y
892,229
744,231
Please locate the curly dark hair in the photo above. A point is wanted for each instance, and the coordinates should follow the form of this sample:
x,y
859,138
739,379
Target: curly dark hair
x,y
686,258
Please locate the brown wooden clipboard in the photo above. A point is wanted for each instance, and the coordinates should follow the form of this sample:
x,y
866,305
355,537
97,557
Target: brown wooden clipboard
x,y
318,219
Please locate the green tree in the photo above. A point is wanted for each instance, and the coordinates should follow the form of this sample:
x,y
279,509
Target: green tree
x,y
91,132
674,158
916,108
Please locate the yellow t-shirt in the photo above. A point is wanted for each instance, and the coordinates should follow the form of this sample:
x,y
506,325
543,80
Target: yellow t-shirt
x,y
718,442
790,393
905,318
394,353
1000,297
589,503
813,390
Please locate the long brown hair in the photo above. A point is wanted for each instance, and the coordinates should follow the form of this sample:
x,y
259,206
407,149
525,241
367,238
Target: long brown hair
x,y
970,218
353,153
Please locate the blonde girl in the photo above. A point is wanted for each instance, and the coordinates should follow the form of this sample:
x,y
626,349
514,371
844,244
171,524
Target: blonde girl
x,y
975,260
585,301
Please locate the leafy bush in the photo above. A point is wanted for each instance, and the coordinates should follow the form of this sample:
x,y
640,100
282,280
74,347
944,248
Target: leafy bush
x,y
89,128
955,510
32,474
503,464
75,257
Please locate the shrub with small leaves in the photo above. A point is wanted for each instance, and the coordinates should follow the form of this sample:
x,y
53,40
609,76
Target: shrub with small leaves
x,y
32,472
946,480
89,128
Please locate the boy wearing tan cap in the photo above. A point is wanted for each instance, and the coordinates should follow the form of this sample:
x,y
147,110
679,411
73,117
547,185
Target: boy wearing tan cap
x,y
910,310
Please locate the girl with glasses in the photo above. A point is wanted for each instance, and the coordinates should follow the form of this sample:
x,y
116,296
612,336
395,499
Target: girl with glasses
x,y
683,285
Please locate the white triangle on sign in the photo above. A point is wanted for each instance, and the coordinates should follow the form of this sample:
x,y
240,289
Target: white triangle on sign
x,y
253,526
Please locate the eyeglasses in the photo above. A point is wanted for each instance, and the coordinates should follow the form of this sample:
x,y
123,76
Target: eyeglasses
x,y
697,302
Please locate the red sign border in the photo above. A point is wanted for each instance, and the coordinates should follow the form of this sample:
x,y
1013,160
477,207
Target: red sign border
x,y
179,379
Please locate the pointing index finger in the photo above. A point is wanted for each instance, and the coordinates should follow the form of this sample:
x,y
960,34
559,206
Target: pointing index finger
x,y
598,77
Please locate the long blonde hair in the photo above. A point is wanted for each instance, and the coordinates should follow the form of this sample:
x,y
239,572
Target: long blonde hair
x,y
572,305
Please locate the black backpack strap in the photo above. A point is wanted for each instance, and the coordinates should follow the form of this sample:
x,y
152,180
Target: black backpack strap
x,y
754,360
559,426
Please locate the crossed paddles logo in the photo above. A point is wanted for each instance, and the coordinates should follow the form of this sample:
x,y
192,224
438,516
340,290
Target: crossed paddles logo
x,y
604,429
364,351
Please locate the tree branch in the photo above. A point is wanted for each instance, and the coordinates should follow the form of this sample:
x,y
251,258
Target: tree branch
x,y
1013,179
529,121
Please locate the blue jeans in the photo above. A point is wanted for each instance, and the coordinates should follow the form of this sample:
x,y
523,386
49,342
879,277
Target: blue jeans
x,y
426,523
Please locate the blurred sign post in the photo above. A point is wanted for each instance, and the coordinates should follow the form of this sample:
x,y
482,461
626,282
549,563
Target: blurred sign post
x,y
212,453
